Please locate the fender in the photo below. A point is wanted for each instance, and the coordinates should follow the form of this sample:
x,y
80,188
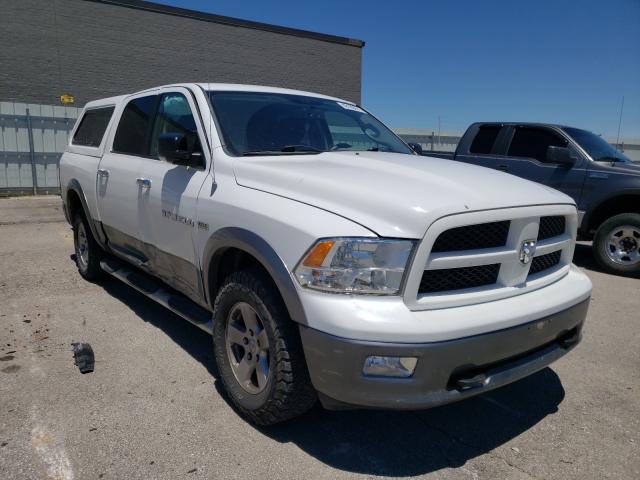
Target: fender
x,y
97,232
592,208
234,237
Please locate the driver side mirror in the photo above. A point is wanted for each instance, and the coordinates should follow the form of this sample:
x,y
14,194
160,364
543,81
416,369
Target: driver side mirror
x,y
561,156
416,147
173,148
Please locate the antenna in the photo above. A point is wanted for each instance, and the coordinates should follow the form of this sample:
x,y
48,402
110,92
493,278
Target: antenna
x,y
619,124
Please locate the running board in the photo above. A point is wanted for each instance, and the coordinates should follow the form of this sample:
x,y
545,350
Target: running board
x,y
156,290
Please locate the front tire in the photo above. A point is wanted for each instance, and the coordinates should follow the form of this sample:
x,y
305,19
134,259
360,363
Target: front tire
x,y
258,351
617,244
88,252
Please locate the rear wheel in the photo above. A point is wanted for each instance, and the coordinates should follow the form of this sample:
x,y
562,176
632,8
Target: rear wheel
x,y
617,244
88,252
258,351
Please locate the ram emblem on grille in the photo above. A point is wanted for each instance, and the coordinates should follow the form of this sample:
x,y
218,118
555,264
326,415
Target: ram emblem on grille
x,y
527,251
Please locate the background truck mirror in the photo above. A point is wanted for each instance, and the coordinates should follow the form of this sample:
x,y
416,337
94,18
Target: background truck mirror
x,y
561,156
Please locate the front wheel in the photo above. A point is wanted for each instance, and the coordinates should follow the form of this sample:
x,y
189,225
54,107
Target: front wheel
x,y
617,244
258,351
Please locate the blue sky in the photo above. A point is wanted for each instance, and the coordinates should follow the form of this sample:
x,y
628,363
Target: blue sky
x,y
538,60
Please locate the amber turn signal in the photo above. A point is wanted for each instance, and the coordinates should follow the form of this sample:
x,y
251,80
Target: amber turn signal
x,y
318,254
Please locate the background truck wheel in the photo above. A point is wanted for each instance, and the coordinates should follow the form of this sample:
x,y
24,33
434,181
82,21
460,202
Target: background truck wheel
x,y
88,252
258,351
617,244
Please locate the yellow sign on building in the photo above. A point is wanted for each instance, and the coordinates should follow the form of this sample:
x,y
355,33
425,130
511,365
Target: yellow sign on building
x,y
67,99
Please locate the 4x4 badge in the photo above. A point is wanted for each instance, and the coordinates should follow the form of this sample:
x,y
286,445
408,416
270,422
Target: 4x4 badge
x,y
527,251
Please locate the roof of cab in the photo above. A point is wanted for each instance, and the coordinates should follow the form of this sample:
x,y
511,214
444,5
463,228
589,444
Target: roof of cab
x,y
229,87
104,102
235,87
523,124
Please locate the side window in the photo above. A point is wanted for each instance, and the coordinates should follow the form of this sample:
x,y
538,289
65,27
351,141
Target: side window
x,y
533,143
175,116
133,130
92,127
485,138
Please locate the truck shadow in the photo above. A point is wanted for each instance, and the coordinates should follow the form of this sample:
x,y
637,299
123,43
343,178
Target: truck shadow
x,y
402,444
583,257
380,442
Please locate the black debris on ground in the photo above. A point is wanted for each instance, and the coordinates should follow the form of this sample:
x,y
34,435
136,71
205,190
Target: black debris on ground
x,y
83,356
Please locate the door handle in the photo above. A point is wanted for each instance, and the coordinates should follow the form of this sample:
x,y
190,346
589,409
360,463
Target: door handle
x,y
143,182
103,173
503,168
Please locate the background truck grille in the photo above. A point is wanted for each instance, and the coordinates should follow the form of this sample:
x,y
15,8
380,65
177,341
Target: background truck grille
x,y
551,227
458,278
544,262
471,237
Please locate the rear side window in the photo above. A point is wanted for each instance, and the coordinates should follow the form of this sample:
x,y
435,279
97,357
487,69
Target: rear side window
x,y
533,143
485,138
92,127
132,135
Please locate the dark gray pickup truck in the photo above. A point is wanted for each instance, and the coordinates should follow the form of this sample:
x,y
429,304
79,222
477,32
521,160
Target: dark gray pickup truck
x,y
604,183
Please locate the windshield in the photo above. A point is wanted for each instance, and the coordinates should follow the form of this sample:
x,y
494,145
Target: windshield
x,y
597,147
262,123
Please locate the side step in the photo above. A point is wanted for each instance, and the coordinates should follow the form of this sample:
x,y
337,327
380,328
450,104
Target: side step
x,y
156,290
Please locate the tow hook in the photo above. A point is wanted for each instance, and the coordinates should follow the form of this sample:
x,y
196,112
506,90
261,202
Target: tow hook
x,y
473,382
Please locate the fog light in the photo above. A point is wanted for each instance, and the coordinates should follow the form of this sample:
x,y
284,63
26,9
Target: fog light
x,y
401,367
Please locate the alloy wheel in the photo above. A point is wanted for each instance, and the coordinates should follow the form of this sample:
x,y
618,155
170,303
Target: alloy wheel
x,y
247,346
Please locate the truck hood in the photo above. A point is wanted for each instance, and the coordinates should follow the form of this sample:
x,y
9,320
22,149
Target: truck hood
x,y
621,168
391,194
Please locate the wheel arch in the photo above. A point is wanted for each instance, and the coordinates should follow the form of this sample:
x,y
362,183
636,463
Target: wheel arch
x,y
74,200
229,241
626,201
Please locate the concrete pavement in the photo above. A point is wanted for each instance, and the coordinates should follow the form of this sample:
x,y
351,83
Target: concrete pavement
x,y
153,407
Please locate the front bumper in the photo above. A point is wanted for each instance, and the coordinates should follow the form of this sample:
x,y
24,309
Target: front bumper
x,y
499,357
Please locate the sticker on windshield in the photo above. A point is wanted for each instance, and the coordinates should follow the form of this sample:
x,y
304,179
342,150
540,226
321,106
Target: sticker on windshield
x,y
348,106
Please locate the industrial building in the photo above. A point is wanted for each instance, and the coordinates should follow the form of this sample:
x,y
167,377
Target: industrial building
x,y
91,49
57,55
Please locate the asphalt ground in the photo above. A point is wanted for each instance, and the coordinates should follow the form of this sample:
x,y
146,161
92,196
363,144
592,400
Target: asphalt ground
x,y
154,409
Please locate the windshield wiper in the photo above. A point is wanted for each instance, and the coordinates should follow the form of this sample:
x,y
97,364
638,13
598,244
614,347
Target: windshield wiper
x,y
255,153
258,153
301,148
286,150
373,149
341,146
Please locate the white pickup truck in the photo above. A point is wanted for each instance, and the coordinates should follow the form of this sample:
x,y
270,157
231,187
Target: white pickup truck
x,y
326,258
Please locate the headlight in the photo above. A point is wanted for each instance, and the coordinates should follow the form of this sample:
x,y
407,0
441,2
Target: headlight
x,y
355,265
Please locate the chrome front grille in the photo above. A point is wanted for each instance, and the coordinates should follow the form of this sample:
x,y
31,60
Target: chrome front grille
x,y
481,256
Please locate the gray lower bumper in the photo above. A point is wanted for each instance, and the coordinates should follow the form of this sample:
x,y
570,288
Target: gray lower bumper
x,y
501,357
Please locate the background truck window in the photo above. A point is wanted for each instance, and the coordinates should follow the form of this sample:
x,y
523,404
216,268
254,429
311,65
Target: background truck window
x,y
533,143
485,138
